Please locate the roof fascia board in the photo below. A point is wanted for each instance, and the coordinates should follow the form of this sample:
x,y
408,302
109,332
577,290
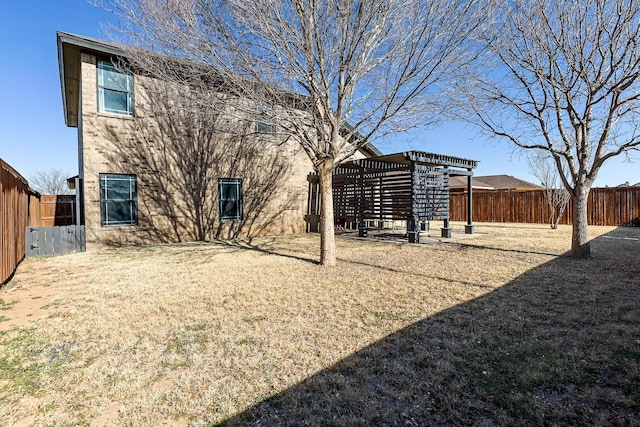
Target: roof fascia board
x,y
93,45
62,76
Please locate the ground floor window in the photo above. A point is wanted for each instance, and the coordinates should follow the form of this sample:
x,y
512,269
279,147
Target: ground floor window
x,y
118,200
230,198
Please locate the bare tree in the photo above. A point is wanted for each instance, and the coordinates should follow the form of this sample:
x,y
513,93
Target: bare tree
x,y
52,181
543,167
562,76
332,74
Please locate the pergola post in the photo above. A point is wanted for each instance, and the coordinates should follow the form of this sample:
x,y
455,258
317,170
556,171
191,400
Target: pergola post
x,y
445,231
362,227
413,226
413,231
468,229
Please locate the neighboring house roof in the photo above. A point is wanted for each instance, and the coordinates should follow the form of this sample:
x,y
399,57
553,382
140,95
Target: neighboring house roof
x,y
628,184
507,182
461,182
493,182
70,47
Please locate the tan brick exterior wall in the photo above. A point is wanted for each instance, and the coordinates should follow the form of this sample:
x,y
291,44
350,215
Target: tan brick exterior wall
x,y
123,145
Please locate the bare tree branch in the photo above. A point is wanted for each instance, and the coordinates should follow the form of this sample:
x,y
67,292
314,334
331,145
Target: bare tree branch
x,y
543,166
337,74
52,181
561,76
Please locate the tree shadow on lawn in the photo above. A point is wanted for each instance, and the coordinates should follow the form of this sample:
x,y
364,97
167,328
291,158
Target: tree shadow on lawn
x,y
208,250
265,246
559,345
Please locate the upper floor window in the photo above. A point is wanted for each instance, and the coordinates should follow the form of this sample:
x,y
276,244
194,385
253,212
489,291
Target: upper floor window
x,y
115,90
265,124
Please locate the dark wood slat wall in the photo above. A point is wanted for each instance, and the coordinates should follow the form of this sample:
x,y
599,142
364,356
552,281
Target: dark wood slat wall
x,y
619,206
377,195
379,191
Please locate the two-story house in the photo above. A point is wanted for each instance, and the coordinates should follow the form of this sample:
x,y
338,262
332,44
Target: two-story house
x,y
155,166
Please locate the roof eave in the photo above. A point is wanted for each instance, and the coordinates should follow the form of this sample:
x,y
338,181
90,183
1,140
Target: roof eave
x,y
371,149
90,44
70,44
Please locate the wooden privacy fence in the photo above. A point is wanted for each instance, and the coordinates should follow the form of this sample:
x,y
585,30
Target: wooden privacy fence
x,y
51,241
56,233
57,210
19,208
619,206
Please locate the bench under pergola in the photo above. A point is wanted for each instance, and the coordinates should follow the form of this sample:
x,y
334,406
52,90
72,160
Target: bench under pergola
x,y
411,186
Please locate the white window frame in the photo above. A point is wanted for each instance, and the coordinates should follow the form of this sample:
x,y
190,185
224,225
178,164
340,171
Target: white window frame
x,y
104,65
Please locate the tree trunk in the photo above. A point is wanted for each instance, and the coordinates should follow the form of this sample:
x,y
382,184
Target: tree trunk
x,y
580,247
327,226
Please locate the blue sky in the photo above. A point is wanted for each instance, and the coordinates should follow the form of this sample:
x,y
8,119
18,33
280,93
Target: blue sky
x,y
33,135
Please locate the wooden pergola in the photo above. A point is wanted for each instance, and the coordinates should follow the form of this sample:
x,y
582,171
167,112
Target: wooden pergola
x,y
411,186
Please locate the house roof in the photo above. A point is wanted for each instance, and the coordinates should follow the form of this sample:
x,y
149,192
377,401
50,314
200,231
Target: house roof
x,y
70,47
628,184
507,182
461,182
493,182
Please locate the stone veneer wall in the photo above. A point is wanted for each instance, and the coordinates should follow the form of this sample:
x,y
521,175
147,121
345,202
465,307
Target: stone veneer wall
x,y
110,144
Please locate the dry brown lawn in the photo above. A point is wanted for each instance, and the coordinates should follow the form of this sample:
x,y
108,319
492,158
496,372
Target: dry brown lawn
x,y
498,329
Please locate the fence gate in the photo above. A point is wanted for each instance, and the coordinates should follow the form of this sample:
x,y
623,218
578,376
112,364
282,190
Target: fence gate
x,y
52,241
